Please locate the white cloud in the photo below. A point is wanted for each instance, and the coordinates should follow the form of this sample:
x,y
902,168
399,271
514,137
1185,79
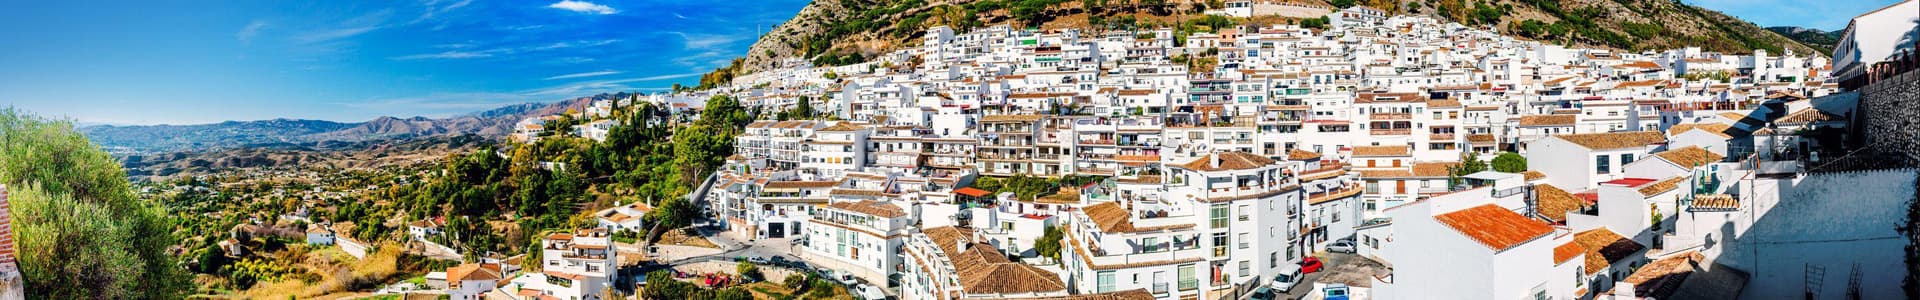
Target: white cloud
x,y
585,74
246,34
584,7
678,15
349,28
446,55
703,41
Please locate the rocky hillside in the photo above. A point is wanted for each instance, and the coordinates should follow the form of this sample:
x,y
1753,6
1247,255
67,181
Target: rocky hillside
x,y
333,154
494,123
835,32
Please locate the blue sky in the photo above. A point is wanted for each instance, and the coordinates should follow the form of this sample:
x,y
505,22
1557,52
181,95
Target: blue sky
x,y
151,62
148,62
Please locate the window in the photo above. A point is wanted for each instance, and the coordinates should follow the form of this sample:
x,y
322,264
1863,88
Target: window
x,y
1243,212
1626,158
1273,259
1152,244
1220,242
1187,282
1103,282
1601,165
1219,214
1243,240
1246,268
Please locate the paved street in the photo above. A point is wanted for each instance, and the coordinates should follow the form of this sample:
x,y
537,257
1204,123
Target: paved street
x,y
1349,269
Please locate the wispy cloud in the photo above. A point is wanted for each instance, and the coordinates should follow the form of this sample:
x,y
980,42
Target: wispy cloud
x,y
253,29
678,15
584,74
702,41
446,55
665,77
433,8
584,7
349,28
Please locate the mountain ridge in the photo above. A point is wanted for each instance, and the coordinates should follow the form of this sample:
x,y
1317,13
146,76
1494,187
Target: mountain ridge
x,y
284,133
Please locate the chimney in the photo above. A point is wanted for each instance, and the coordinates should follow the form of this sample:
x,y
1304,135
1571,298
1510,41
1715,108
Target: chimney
x,y
1213,161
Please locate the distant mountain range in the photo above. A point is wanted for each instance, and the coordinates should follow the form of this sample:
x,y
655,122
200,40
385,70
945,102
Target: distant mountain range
x,y
1818,39
314,134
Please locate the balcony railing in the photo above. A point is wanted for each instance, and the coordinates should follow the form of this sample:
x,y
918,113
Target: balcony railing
x,y
1390,116
1396,131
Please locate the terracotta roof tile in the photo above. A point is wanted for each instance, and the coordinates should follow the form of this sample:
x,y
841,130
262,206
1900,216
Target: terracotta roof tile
x,y
1614,140
1548,120
1235,160
874,208
1690,156
1380,151
1555,202
1661,186
1806,116
1302,155
1720,129
1604,247
1566,252
1493,226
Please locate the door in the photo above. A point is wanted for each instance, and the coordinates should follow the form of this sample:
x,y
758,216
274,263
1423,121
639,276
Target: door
x,y
1400,186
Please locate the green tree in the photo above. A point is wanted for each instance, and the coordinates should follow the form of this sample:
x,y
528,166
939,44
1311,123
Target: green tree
x,y
1510,162
81,232
1049,243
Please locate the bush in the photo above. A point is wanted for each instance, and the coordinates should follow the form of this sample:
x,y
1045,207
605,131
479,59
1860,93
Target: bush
x,y
749,271
1510,162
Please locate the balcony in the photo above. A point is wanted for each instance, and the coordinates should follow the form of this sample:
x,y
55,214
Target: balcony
x,y
1391,131
1390,116
1441,137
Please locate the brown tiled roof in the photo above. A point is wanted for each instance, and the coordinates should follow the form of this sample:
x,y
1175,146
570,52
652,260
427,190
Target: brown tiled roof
x,y
1548,120
1389,97
1555,202
1111,218
473,271
1011,118
1715,202
800,184
1444,104
1604,247
1662,277
842,127
1234,160
1805,116
1480,138
1493,226
1566,252
1134,294
983,269
1532,175
1662,186
1433,169
1380,151
1391,173
1721,129
1614,140
1304,155
874,208
1690,156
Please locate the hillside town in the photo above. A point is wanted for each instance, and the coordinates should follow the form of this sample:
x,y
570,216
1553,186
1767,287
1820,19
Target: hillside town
x,y
1362,156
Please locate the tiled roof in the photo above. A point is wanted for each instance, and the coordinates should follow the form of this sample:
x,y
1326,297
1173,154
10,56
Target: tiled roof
x,y
1380,151
1433,169
1604,248
874,208
1393,173
983,269
1720,129
1555,202
1234,160
842,127
1690,156
1614,140
1532,175
1303,155
1493,226
1548,120
1111,218
1715,202
1566,252
1806,116
800,184
1011,118
1661,186
473,271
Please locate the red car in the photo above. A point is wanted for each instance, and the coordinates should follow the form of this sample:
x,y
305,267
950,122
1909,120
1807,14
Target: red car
x,y
1310,264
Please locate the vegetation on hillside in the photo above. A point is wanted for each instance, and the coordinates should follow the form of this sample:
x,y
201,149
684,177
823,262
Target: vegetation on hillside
x,y
81,233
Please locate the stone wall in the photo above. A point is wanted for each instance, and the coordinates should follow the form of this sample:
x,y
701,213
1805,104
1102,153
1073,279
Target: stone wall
x,y
1890,117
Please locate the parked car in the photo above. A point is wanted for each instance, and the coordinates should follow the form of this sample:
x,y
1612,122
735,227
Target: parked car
x,y
1334,292
868,292
1310,265
757,260
1262,293
1342,246
1288,277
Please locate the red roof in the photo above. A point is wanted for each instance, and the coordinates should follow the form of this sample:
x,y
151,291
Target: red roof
x,y
972,192
1630,181
1493,226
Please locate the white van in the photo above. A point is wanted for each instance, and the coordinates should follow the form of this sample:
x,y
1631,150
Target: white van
x,y
1288,277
